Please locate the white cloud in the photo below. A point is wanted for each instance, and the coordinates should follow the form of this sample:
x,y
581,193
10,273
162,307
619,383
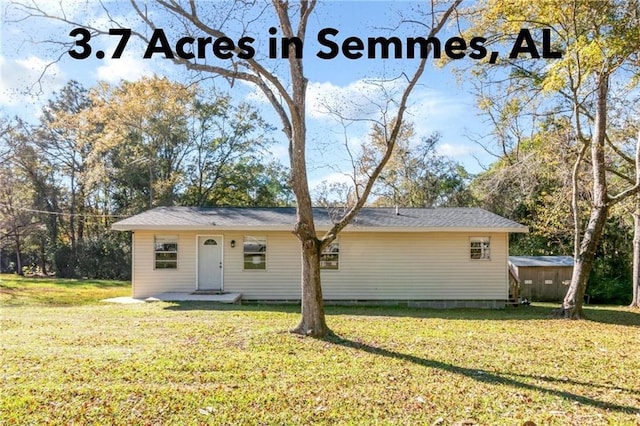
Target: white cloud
x,y
25,81
435,110
125,68
330,179
456,150
280,152
254,94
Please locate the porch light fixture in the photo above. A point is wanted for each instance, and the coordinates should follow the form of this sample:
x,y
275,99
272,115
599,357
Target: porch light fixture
x,y
233,243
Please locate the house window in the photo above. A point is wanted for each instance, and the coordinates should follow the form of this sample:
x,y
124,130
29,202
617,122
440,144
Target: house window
x,y
528,281
255,253
480,248
548,281
166,252
330,256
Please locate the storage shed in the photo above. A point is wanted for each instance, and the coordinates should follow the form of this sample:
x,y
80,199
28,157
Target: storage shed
x,y
541,278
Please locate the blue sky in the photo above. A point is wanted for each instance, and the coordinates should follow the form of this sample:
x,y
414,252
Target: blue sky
x,y
439,103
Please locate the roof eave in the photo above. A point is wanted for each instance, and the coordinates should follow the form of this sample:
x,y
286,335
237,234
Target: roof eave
x,y
467,229
320,227
124,227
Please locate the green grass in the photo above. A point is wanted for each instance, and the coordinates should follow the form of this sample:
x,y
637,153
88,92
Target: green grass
x,y
199,363
16,290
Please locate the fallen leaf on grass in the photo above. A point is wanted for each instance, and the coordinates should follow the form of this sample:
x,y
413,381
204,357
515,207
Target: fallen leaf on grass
x,y
465,422
207,411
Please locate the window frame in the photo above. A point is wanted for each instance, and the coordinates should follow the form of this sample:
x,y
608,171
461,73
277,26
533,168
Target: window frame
x,y
166,240
484,251
248,239
326,252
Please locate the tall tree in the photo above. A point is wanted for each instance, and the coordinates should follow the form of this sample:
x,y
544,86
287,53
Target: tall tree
x,y
416,175
16,213
600,43
145,135
65,138
229,148
624,170
635,300
532,187
285,87
38,179
164,143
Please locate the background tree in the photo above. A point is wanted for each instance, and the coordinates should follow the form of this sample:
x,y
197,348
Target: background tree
x,y
600,44
416,175
227,162
75,173
533,187
16,218
64,139
635,300
37,179
144,137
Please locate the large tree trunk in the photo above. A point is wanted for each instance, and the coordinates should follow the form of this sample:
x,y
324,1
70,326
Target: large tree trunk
x,y
583,258
312,322
19,270
43,257
635,301
583,263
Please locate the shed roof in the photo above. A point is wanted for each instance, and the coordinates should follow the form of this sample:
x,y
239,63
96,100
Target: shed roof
x,y
283,218
541,261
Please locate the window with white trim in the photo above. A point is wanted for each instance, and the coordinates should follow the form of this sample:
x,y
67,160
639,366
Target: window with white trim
x,y
166,252
330,256
255,253
480,248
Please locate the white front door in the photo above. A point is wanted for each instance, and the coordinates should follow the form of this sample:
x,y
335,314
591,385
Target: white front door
x,y
210,263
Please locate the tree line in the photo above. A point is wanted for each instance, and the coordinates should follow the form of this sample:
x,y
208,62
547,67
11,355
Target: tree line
x,y
112,151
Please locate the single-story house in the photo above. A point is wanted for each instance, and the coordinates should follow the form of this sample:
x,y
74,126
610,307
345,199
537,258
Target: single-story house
x,y
541,278
443,257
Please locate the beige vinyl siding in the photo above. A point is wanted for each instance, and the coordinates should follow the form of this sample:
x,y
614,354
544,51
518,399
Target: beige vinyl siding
x,y
148,281
373,266
416,266
281,278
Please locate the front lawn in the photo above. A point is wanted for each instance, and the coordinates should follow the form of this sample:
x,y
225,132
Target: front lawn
x,y
199,363
17,290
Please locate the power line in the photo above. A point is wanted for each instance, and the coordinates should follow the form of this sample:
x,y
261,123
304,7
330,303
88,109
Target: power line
x,y
72,214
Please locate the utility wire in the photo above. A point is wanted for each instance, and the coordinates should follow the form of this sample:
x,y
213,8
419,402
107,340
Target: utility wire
x,y
71,214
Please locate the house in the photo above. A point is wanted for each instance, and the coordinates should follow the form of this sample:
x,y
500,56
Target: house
x,y
422,257
541,278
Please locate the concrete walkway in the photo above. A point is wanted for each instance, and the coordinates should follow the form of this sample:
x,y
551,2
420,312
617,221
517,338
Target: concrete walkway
x,y
174,296
124,300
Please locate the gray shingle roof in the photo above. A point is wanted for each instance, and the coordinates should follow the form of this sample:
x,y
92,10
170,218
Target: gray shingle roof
x,y
541,260
284,217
